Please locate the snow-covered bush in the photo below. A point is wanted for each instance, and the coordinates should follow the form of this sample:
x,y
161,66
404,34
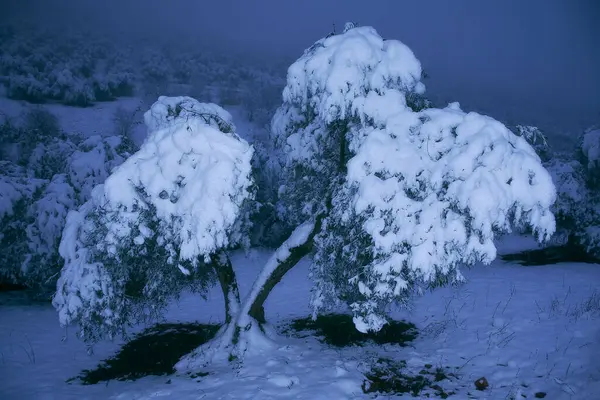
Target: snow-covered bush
x,y
47,214
46,174
577,208
94,160
590,151
39,66
16,190
155,66
159,223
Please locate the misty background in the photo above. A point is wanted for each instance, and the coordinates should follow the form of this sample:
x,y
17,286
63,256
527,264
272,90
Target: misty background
x,y
532,62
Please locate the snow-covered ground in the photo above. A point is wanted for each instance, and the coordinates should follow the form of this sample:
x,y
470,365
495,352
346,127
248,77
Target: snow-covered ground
x,y
526,329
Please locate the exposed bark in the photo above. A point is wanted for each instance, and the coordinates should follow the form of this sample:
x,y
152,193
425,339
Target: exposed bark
x,y
257,310
229,286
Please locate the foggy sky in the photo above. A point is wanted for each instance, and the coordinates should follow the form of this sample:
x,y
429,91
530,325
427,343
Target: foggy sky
x,y
528,61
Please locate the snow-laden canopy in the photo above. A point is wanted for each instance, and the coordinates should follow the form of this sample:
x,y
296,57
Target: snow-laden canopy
x,y
168,110
179,195
417,192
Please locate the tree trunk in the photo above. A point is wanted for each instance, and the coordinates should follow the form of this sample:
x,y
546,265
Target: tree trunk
x,y
228,282
296,253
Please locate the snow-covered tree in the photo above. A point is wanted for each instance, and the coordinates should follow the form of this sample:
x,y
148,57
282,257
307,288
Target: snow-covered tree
x,y
160,223
388,195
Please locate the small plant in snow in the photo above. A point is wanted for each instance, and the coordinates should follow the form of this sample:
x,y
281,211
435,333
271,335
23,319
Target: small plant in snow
x,y
125,121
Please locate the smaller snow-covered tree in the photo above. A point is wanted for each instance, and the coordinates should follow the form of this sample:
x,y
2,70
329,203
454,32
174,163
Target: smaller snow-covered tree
x,y
160,222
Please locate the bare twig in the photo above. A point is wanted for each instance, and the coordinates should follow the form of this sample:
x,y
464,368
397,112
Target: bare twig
x,y
513,290
30,348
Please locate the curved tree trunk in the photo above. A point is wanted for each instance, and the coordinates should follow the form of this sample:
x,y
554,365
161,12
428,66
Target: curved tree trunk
x,y
292,251
229,286
284,259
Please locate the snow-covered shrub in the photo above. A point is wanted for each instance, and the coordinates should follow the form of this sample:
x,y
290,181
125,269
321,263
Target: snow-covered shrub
x,y
159,223
590,151
40,66
125,121
47,174
155,66
16,190
536,138
184,66
577,208
46,216
94,161
406,195
9,134
114,79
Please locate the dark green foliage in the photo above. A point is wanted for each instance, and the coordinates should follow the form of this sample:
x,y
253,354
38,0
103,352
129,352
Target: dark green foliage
x,y
145,280
155,351
42,124
339,330
391,377
268,229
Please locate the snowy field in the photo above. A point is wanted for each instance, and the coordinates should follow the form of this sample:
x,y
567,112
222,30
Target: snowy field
x,y
525,329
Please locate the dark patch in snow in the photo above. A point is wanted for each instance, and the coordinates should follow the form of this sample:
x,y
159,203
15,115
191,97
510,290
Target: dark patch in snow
x,y
393,377
550,255
155,351
339,330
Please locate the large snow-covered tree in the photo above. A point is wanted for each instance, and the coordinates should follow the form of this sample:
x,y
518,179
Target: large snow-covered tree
x,y
388,194
160,222
407,195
